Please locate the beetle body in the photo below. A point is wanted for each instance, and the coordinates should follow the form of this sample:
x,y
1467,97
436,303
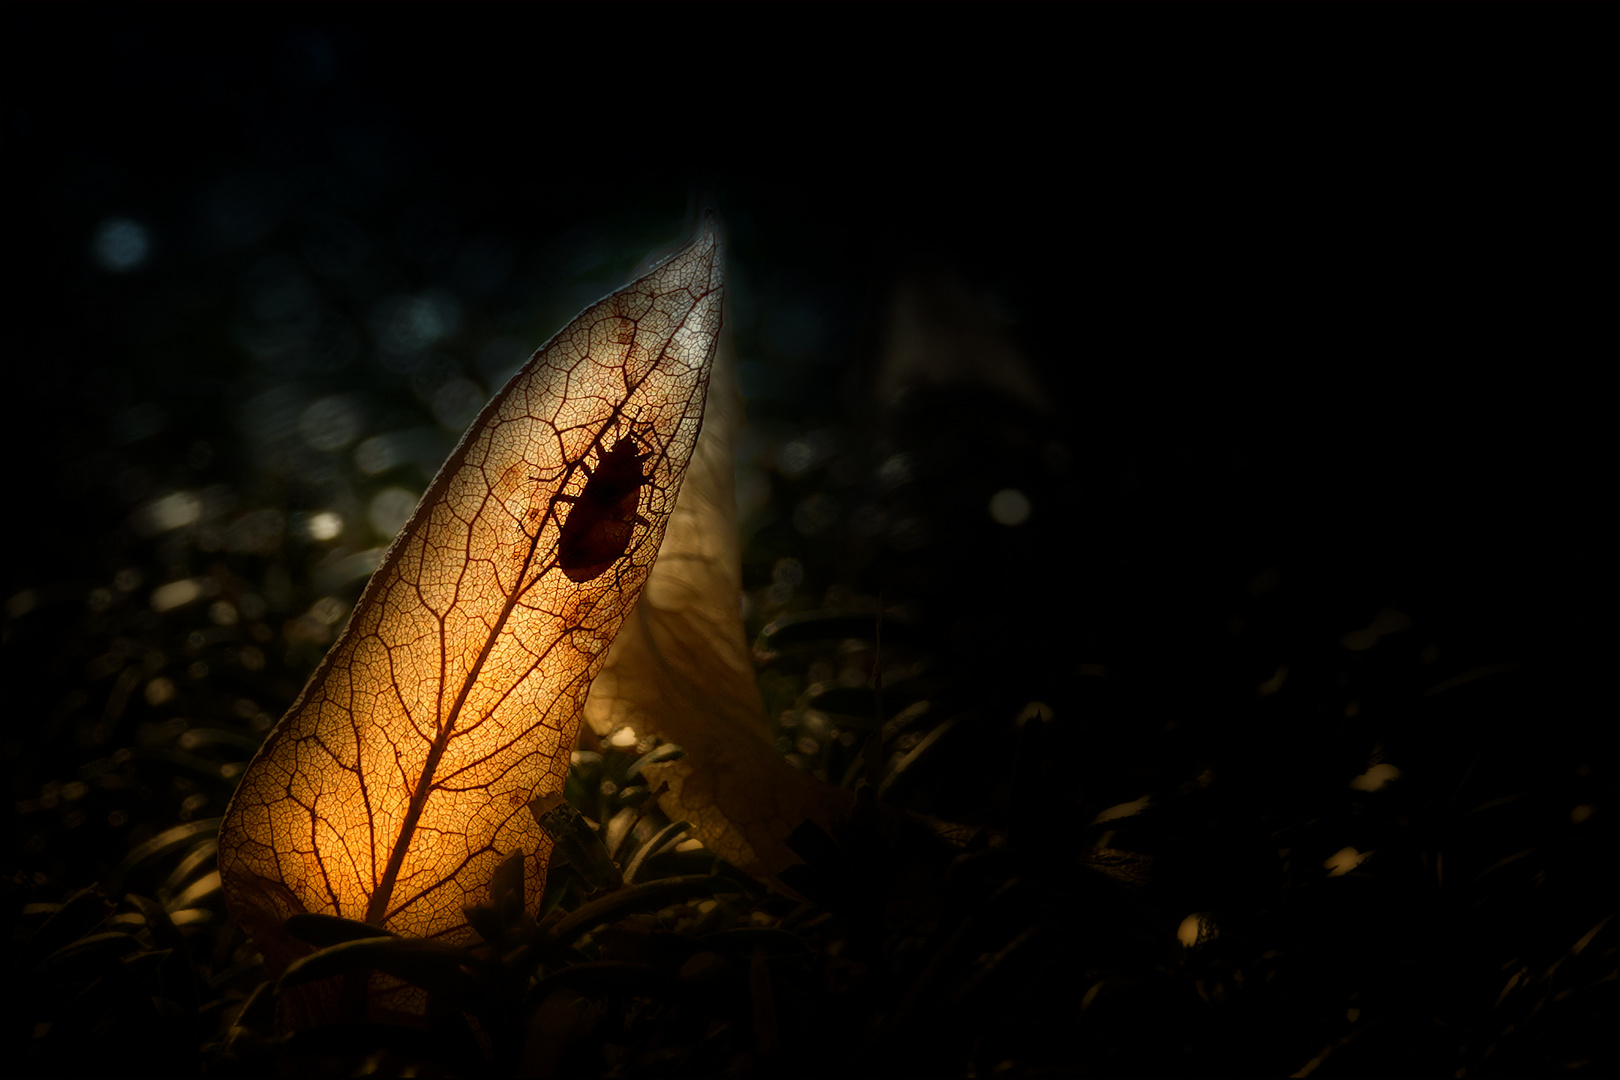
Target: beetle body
x,y
604,517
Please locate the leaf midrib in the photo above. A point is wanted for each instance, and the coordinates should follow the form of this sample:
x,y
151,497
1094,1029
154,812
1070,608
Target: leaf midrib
x,y
377,907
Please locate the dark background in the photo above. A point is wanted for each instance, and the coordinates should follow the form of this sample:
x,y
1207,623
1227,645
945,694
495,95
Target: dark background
x,y
1302,286
1319,301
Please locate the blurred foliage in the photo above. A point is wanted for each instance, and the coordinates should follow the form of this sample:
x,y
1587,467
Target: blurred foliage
x,y
1276,740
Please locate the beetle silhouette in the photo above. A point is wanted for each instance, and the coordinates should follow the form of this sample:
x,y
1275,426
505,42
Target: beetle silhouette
x,y
599,527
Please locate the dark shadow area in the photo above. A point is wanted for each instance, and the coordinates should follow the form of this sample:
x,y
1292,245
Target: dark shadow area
x,y
1219,405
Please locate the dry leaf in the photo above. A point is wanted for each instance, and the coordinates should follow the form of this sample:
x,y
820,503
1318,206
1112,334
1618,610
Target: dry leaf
x,y
400,779
682,668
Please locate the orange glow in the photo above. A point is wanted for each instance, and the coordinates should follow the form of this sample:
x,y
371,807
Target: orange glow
x,y
1375,778
1344,860
401,776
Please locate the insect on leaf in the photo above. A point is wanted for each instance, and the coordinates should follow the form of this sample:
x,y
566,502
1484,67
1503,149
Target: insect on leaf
x,y
401,777
682,668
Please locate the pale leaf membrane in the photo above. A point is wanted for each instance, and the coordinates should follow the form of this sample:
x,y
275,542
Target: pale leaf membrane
x,y
400,779
682,669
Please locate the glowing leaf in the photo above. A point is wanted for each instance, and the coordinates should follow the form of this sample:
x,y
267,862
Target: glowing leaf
x,y
682,668
400,780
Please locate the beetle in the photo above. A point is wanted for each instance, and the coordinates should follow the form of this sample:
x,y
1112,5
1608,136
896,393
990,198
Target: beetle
x,y
599,527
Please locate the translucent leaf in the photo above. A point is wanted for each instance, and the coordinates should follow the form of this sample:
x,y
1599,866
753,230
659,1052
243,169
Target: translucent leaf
x,y
400,780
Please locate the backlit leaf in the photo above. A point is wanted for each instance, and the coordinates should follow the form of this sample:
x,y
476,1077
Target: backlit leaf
x,y
401,777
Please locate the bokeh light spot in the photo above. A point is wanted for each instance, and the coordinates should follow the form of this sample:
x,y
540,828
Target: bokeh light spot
x,y
330,423
410,324
390,509
1344,860
325,525
175,594
120,245
168,512
457,403
895,470
796,458
1009,507
378,454
159,691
